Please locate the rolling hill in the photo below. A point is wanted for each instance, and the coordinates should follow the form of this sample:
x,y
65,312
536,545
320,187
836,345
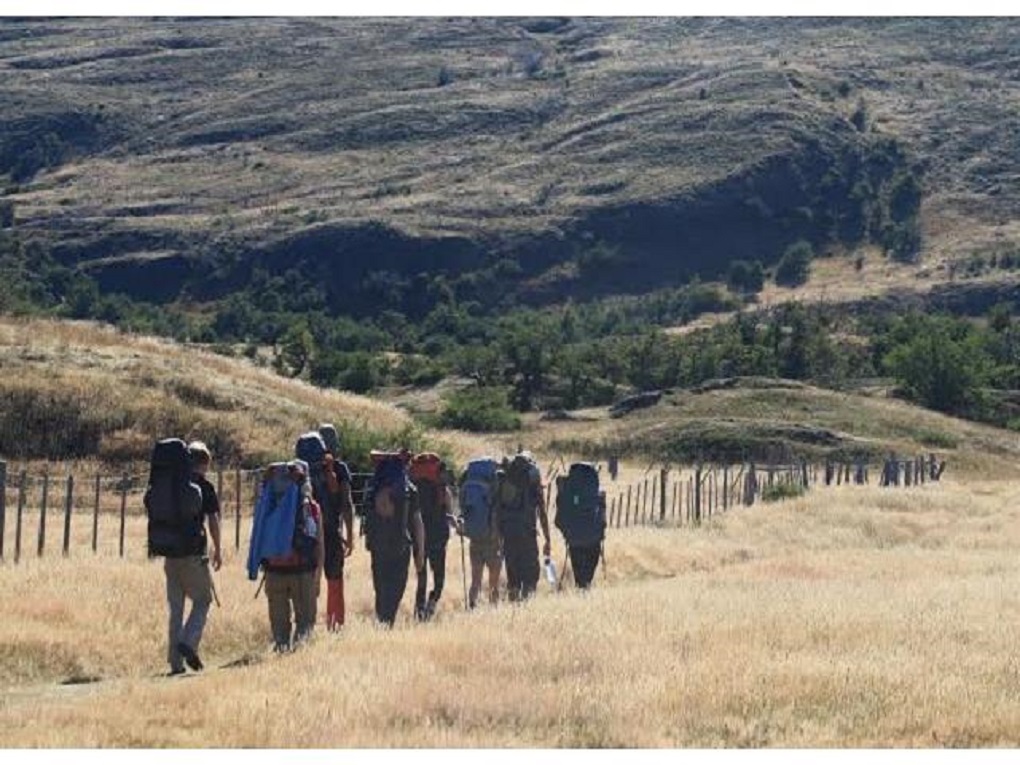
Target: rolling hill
x,y
172,158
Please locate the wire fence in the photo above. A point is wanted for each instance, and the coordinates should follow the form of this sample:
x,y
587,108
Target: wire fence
x,y
40,510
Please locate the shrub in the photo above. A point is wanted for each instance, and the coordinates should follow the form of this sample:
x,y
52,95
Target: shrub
x,y
938,370
780,491
746,278
795,265
480,410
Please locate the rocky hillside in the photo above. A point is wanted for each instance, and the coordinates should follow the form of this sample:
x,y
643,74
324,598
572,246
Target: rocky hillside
x,y
566,156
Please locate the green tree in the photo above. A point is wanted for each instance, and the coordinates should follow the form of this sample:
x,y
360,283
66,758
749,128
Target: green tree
x,y
746,278
795,266
938,370
296,349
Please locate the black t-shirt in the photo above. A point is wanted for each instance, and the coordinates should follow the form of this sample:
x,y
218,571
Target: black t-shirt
x,y
210,507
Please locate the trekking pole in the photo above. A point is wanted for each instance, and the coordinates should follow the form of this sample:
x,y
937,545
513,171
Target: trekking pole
x,y
216,598
605,574
563,570
261,584
463,574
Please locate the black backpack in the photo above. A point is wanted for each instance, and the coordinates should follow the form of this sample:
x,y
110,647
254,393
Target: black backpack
x,y
388,508
173,504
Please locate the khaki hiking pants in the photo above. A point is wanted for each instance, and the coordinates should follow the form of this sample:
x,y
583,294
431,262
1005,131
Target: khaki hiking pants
x,y
186,577
287,592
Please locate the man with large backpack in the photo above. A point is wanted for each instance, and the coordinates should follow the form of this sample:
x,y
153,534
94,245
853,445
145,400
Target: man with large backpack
x,y
393,528
287,542
427,473
581,518
478,521
520,503
331,489
179,501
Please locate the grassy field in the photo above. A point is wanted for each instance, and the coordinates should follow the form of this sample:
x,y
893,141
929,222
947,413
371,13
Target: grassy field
x,y
851,617
772,420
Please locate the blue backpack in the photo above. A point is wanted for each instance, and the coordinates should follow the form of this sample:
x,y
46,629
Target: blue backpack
x,y
476,495
283,530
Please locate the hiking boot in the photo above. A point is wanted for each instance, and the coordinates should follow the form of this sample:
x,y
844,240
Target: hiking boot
x,y
175,672
190,657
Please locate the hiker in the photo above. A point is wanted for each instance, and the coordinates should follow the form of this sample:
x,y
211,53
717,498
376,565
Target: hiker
x,y
581,517
393,527
479,523
179,502
288,544
427,472
519,502
331,489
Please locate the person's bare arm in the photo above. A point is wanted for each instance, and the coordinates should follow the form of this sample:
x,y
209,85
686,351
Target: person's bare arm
x,y
543,518
348,500
214,534
320,545
419,542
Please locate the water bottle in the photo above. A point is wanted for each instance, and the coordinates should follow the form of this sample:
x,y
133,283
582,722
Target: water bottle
x,y
550,571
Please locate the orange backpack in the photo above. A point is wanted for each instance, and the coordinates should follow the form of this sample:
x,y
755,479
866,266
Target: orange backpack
x,y
426,467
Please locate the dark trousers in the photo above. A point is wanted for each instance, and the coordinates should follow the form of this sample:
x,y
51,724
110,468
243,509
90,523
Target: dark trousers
x,y
389,577
520,551
584,561
435,560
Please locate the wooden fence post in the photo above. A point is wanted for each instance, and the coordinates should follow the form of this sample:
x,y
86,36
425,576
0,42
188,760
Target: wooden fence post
x,y
3,505
42,512
676,500
805,476
123,511
627,522
22,487
697,496
95,518
644,502
68,501
663,477
726,488
237,509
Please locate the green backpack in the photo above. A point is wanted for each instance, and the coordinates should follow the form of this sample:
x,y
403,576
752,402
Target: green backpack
x,y
580,511
518,489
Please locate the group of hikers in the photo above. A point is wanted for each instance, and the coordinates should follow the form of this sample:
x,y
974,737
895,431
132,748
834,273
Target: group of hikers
x,y
303,531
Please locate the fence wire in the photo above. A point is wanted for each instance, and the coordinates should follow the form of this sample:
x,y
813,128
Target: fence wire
x,y
105,512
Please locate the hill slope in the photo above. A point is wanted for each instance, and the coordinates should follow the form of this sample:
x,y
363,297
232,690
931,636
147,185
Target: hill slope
x,y
173,156
82,392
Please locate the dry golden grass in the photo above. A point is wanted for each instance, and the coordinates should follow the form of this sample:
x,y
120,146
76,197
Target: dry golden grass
x,y
851,617
134,387
874,421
